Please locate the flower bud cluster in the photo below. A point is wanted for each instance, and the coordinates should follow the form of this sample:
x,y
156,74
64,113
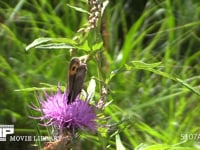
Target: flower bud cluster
x,y
96,7
95,13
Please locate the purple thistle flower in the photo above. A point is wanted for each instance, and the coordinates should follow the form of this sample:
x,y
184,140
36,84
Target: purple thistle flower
x,y
78,114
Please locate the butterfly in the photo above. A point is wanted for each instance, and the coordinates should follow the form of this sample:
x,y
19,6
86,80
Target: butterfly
x,y
76,78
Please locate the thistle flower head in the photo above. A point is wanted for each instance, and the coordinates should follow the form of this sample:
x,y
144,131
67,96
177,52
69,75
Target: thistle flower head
x,y
56,111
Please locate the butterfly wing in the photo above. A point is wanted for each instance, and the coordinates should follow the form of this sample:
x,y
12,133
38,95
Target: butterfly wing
x,y
73,67
74,64
76,78
78,82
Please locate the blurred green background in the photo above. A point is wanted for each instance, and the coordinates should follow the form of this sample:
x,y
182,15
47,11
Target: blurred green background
x,y
149,110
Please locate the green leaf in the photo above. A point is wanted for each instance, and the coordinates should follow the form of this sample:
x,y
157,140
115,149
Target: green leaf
x,y
141,64
157,147
151,68
78,9
40,41
119,145
36,89
105,3
97,46
37,42
166,147
55,46
84,46
10,113
141,146
188,86
91,89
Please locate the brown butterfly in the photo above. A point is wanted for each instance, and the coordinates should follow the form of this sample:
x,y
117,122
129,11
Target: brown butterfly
x,y
76,78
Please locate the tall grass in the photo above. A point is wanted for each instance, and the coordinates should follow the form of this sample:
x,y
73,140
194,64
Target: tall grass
x,y
149,67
